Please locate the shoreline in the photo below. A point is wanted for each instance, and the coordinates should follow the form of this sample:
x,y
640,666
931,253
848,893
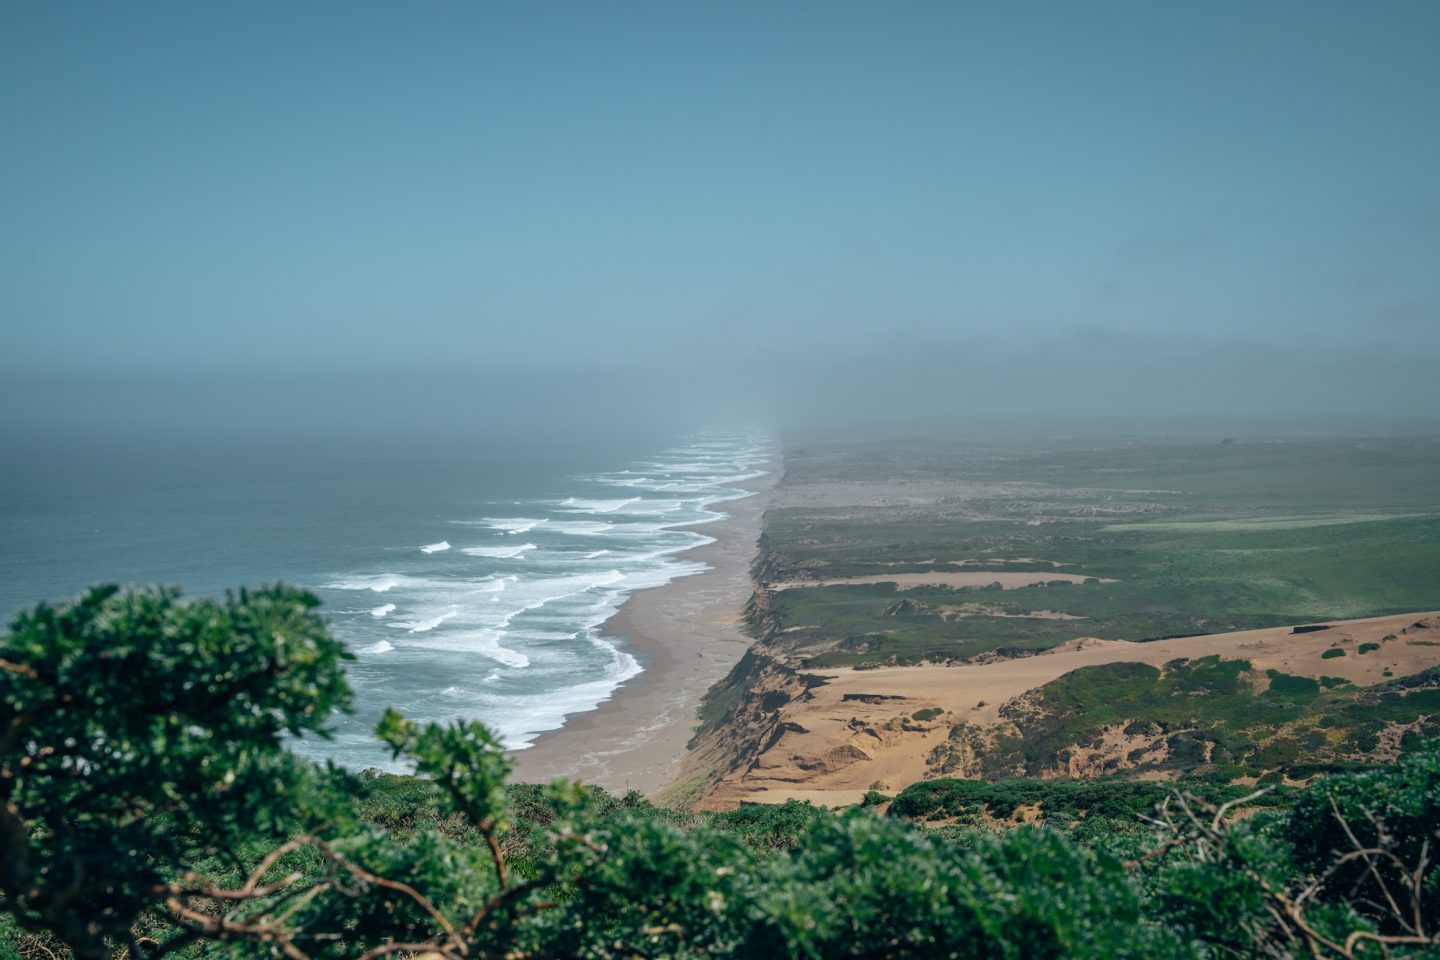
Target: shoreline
x,y
687,634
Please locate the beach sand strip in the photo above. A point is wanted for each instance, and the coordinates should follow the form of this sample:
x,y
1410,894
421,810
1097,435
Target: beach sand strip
x,y
687,633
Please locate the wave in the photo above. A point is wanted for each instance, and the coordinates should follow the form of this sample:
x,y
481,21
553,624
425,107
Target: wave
x,y
483,642
619,481
582,528
540,593
699,541
524,647
513,525
579,505
380,582
528,717
425,626
653,508
498,553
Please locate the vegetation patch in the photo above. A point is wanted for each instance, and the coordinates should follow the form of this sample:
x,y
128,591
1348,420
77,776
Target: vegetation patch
x,y
1207,714
1109,798
1204,546
166,819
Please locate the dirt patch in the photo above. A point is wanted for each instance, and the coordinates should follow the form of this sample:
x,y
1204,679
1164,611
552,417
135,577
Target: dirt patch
x,y
978,610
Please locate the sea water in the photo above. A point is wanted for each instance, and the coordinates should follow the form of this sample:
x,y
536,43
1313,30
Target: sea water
x,y
468,587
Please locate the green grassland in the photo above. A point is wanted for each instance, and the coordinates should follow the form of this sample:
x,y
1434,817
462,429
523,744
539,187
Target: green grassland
x,y
1200,537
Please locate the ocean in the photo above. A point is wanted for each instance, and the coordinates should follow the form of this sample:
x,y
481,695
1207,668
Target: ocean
x,y
469,586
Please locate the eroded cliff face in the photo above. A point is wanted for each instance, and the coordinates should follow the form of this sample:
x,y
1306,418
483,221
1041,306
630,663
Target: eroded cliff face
x,y
756,738
741,719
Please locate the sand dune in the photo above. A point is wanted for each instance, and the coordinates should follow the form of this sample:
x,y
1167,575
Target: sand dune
x,y
858,731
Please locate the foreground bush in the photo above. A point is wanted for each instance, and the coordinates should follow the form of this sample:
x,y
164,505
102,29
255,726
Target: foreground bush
x,y
148,808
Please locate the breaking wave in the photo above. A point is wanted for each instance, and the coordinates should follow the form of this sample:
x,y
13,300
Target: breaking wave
x,y
512,634
498,553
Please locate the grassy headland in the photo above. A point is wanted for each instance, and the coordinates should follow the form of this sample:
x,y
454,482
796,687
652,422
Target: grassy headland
x,y
961,553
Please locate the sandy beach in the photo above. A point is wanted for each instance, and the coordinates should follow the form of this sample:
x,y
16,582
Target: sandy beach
x,y
687,634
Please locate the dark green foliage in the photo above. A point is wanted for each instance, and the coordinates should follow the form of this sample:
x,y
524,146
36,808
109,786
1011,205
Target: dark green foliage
x,y
867,887
1402,804
1351,859
929,713
1285,685
1332,653
1105,798
138,732
195,834
1368,647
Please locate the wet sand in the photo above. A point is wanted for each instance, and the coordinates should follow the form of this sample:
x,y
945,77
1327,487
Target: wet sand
x,y
687,634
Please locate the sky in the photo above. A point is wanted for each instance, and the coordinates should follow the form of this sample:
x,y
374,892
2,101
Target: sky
x,y
828,205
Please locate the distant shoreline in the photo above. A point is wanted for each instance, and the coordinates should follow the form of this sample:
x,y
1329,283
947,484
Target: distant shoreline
x,y
687,634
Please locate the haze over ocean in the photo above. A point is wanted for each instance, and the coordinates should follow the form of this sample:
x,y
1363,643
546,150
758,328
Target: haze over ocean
x,y
468,585
836,209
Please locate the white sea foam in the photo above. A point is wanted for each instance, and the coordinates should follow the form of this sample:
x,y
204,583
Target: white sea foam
x,y
578,505
527,717
379,583
652,508
425,626
624,481
486,643
522,648
498,553
513,525
440,547
699,541
582,528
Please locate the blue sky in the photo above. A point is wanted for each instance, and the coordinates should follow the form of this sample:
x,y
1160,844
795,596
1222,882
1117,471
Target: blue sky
x,y
459,186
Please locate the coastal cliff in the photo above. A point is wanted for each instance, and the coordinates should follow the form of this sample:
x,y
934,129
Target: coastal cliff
x,y
934,613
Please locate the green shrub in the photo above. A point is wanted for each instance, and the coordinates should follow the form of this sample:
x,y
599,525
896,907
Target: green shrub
x,y
158,820
1285,685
